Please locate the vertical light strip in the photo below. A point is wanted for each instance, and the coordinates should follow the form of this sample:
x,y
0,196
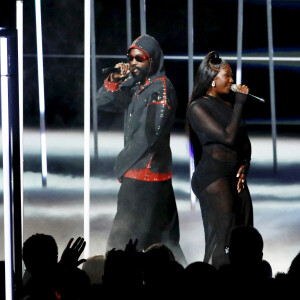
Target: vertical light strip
x,y
87,99
143,16
20,72
190,46
239,42
94,80
128,23
39,43
191,83
272,83
7,205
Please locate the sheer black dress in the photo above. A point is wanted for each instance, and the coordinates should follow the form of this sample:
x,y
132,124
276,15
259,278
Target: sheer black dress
x,y
225,146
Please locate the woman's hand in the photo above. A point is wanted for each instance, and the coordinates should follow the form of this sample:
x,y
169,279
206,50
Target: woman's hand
x,y
241,94
242,89
242,179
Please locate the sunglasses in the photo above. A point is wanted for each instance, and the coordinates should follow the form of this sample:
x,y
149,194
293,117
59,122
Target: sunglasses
x,y
138,58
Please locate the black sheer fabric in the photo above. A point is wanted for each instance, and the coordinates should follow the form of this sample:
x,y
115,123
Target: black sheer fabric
x,y
225,147
144,214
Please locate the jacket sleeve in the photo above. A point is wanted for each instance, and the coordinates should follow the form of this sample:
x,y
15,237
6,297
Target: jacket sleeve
x,y
202,121
109,98
155,125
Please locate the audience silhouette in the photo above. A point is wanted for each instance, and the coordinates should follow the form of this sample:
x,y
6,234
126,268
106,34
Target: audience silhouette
x,y
294,269
123,272
94,268
2,280
151,273
72,283
40,256
156,260
287,284
247,266
200,274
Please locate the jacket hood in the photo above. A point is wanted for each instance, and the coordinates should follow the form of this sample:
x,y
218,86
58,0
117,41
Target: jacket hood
x,y
151,47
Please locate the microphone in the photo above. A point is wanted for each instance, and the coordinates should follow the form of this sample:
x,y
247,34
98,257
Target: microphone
x,y
111,70
234,87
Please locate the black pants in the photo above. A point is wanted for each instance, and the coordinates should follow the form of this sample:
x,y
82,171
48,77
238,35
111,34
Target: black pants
x,y
146,211
222,208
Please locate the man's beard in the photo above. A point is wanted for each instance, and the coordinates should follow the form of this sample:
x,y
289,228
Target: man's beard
x,y
134,79
141,76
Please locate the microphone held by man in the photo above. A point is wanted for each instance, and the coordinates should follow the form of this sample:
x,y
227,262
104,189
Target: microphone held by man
x,y
127,74
120,69
111,70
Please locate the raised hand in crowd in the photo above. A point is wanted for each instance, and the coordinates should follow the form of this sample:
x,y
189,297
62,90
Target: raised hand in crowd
x,y
130,247
71,254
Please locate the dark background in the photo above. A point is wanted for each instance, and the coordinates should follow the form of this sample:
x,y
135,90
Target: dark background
x,y
215,28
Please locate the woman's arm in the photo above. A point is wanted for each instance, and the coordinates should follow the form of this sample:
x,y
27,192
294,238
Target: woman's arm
x,y
203,121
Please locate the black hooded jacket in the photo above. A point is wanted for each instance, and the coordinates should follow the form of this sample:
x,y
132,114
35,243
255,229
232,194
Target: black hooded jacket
x,y
149,116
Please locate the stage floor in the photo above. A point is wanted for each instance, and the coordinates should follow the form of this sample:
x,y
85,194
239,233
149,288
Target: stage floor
x,y
58,208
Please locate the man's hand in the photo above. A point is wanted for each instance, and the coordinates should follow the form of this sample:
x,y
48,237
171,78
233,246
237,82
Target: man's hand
x,y
125,70
72,253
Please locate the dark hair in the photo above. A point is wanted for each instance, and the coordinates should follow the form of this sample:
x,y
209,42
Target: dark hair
x,y
206,72
39,250
245,244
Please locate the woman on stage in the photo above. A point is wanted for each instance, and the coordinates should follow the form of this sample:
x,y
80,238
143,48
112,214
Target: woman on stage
x,y
222,153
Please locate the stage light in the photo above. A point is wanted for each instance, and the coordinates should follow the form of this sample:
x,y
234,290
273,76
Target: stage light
x,y
191,83
175,57
7,192
20,72
39,44
192,170
87,99
239,41
143,16
128,23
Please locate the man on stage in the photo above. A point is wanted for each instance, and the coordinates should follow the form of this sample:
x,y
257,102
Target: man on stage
x,y
146,208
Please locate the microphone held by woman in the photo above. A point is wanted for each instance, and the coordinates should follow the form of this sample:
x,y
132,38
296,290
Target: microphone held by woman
x,y
234,89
